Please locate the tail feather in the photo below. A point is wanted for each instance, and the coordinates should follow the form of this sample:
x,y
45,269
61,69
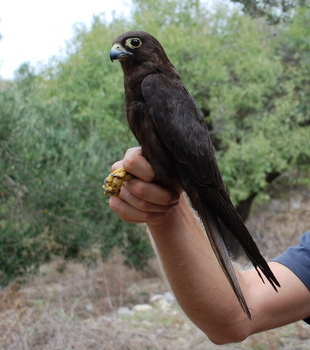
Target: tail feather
x,y
234,223
214,234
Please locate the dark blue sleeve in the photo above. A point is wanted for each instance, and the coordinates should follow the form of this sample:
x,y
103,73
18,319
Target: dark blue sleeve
x,y
297,259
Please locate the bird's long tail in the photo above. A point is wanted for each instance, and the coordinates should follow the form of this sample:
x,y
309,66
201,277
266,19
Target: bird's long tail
x,y
232,220
222,209
214,234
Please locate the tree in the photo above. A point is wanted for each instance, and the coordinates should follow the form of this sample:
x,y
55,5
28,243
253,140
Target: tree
x,y
62,127
251,97
60,132
275,11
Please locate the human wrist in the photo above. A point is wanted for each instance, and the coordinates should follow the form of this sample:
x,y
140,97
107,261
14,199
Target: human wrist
x,y
178,216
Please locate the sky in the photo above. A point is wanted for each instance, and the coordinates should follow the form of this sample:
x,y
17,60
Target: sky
x,y
35,30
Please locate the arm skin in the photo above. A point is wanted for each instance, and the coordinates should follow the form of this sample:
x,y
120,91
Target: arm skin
x,y
192,269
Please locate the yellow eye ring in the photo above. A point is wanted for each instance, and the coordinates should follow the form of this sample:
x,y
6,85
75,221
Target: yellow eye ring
x,y
133,43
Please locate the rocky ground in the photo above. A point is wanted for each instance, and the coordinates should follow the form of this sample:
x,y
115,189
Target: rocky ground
x,y
68,306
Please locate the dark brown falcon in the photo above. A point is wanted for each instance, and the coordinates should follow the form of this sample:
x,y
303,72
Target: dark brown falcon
x,y
175,140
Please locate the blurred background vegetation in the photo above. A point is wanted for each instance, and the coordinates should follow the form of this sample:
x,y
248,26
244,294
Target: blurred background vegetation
x,y
63,125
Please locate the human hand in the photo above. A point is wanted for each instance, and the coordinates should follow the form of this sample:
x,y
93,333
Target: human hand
x,y
141,200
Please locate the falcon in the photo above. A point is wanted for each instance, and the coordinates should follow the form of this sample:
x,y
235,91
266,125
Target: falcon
x,y
176,141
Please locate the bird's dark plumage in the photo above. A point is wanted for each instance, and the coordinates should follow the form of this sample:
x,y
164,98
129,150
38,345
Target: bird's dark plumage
x,y
175,140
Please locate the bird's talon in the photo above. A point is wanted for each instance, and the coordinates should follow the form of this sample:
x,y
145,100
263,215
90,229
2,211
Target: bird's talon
x,y
113,183
116,175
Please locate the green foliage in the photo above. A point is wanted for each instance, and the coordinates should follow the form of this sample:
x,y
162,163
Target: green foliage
x,y
275,11
60,133
62,129
88,83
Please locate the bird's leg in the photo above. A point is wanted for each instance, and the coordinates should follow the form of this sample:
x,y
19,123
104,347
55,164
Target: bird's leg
x,y
113,183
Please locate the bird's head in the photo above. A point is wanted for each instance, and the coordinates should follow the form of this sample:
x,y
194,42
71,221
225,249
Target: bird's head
x,y
137,48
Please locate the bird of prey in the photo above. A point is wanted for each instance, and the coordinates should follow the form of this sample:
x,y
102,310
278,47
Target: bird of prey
x,y
175,140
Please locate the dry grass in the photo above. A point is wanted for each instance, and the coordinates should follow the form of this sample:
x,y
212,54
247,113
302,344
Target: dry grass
x,y
76,308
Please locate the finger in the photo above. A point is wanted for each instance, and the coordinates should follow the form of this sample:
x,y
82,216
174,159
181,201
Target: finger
x,y
117,165
130,214
137,165
131,152
139,202
152,192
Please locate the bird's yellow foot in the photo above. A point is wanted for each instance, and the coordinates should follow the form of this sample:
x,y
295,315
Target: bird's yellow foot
x,y
113,183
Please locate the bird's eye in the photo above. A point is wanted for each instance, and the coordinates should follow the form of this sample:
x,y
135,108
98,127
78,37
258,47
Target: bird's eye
x,y
133,43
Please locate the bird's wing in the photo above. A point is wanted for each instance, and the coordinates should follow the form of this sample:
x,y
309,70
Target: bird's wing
x,y
181,127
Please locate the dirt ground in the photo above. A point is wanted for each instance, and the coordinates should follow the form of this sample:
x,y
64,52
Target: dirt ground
x,y
68,306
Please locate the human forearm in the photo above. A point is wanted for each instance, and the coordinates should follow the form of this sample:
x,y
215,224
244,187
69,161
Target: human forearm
x,y
195,276
204,293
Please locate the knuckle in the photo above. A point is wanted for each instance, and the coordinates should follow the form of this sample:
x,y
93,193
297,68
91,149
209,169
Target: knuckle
x,y
150,177
137,188
129,162
169,198
144,205
135,150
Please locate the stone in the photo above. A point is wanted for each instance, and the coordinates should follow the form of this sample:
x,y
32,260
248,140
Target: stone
x,y
142,307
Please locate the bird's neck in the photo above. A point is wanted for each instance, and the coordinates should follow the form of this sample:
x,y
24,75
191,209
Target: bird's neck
x,y
137,71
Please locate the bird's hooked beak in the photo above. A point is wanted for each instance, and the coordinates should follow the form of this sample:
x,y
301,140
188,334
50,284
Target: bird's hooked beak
x,y
118,51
